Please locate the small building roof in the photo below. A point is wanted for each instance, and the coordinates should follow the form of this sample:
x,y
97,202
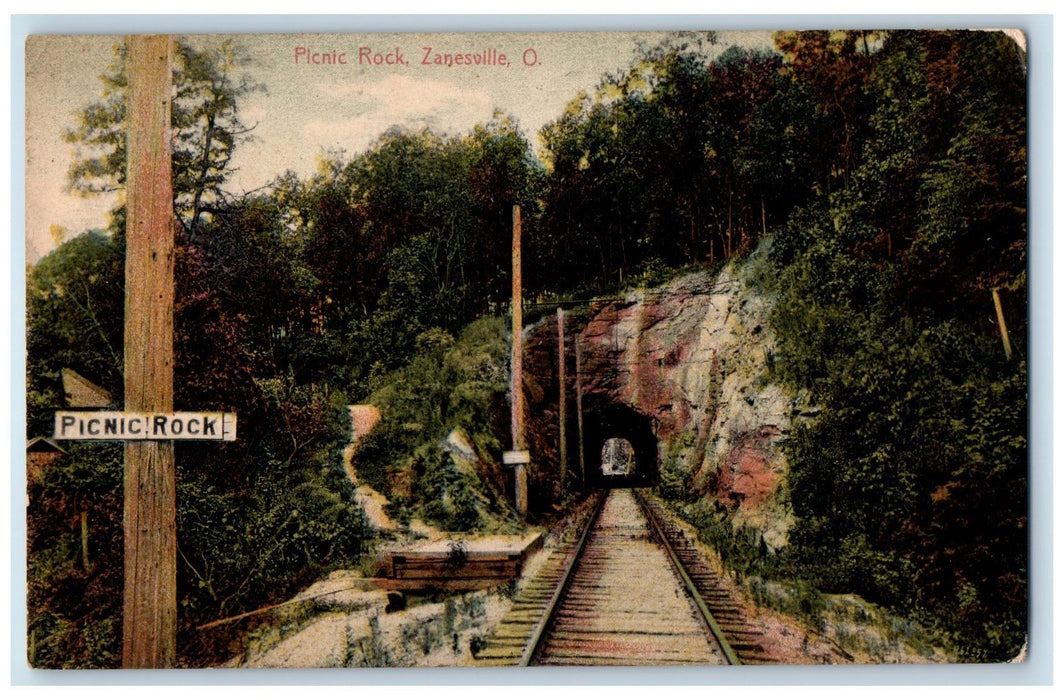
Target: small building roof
x,y
44,444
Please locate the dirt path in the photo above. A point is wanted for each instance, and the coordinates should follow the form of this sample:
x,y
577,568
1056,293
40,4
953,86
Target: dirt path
x,y
372,502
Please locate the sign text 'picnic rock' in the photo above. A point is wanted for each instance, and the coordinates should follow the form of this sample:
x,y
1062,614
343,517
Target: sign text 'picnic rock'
x,y
132,425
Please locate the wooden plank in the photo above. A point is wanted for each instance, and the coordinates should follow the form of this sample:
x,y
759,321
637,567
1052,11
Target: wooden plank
x,y
498,571
424,555
514,457
443,584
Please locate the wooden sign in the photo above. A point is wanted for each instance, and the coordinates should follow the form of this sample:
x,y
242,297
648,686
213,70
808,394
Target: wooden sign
x,y
137,425
516,457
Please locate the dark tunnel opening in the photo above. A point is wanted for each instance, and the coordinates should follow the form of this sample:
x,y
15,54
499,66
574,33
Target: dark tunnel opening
x,y
607,420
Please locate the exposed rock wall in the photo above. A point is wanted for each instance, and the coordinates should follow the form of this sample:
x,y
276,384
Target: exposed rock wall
x,y
353,628
694,356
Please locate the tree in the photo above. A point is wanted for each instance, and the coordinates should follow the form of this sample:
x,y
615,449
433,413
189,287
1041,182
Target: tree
x,y
679,159
910,487
412,234
206,123
834,64
971,237
74,302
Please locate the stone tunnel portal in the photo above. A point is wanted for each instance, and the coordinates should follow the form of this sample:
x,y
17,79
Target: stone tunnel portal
x,y
607,426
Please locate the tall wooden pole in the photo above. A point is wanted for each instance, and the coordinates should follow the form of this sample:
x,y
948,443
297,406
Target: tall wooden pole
x,y
580,413
149,623
563,465
517,397
1001,324
85,542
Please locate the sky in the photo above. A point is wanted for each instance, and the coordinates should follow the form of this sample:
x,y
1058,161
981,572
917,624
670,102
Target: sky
x,y
323,93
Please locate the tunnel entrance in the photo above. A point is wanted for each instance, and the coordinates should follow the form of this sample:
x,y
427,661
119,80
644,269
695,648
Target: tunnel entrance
x,y
620,448
618,457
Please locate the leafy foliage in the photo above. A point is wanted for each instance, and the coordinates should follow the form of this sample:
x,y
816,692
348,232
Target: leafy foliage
x,y
449,385
679,159
206,127
73,589
74,303
910,487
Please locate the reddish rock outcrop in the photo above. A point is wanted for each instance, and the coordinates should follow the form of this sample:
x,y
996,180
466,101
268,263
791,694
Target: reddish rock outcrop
x,y
751,472
692,357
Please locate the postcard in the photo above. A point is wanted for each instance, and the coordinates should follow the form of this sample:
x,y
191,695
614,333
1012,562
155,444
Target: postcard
x,y
685,348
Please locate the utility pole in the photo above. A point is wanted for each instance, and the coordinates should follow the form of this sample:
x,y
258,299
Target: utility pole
x,y
149,612
517,402
580,413
563,466
1001,324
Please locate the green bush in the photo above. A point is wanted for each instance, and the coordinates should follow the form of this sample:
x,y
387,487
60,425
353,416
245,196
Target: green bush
x,y
910,486
449,384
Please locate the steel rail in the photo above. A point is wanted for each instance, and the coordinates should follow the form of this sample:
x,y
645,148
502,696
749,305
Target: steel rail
x,y
692,589
535,643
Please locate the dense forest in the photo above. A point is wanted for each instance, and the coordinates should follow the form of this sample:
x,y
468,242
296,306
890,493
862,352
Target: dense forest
x,y
888,169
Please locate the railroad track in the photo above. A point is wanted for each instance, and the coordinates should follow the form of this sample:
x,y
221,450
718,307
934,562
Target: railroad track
x,y
728,613
627,590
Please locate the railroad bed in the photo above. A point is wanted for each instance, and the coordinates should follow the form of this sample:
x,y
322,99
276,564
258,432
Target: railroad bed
x,y
620,594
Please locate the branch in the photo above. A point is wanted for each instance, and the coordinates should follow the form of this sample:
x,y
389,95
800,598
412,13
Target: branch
x,y
87,310
258,566
199,576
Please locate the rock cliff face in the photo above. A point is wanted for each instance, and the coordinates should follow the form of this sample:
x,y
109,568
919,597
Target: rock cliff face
x,y
693,359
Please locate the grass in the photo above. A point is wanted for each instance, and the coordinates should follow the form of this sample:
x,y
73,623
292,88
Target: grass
x,y
862,629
